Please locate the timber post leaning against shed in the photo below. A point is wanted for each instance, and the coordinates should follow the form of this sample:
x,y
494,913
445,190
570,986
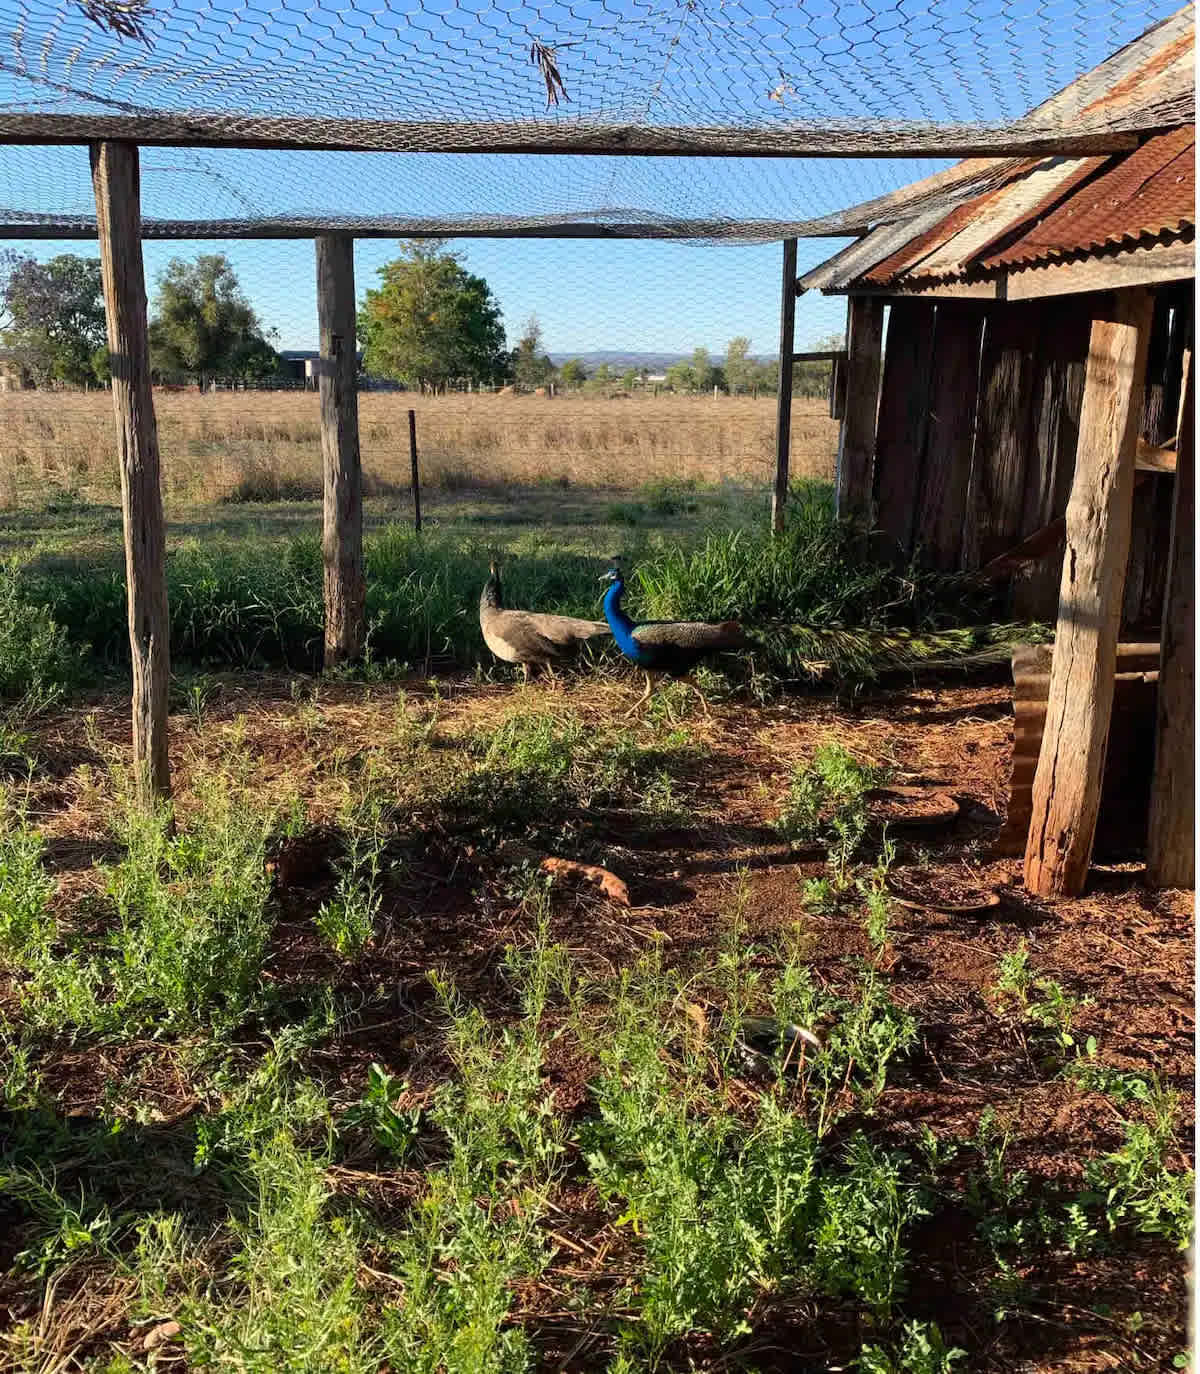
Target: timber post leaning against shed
x,y
342,538
1066,788
116,182
1032,306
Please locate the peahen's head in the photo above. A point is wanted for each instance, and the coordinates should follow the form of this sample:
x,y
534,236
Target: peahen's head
x,y
491,591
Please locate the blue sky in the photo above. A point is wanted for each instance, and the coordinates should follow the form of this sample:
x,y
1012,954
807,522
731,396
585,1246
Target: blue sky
x,y
646,61
641,296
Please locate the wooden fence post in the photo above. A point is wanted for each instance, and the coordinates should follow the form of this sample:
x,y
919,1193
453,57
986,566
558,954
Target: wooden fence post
x,y
1171,846
342,542
416,474
856,444
783,413
117,185
1066,787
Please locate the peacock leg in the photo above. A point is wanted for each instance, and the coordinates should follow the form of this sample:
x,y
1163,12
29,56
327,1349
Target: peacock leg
x,y
703,699
525,670
645,697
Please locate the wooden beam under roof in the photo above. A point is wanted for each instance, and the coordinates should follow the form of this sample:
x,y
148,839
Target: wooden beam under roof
x,y
809,138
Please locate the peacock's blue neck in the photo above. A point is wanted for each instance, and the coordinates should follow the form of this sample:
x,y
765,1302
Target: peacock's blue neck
x,y
618,622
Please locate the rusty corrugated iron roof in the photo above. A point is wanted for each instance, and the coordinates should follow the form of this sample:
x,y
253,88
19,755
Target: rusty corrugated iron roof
x,y
1054,207
1146,194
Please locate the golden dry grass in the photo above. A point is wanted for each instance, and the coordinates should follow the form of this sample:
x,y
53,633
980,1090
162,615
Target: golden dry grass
x,y
266,445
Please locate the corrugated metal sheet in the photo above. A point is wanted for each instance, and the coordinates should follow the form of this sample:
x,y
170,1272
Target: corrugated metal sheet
x,y
1147,193
1001,213
919,245
852,262
1057,206
1153,69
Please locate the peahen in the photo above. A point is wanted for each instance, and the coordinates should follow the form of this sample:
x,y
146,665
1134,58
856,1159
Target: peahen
x,y
670,647
529,637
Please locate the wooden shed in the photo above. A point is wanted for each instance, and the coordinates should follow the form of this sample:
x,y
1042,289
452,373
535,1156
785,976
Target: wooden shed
x,y
1019,403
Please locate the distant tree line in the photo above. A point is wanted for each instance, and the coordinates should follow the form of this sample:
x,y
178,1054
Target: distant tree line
x,y
201,325
429,324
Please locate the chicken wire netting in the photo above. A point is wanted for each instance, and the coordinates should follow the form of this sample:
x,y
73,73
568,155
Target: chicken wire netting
x,y
723,75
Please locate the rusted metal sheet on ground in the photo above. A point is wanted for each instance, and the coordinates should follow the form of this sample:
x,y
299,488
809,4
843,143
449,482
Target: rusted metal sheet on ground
x,y
1125,792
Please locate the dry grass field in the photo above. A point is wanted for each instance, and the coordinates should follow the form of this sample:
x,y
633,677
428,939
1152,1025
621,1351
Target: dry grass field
x,y
255,446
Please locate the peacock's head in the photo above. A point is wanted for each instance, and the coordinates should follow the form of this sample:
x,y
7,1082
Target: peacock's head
x,y
615,572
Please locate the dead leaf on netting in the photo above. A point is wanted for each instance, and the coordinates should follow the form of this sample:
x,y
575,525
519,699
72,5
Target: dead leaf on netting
x,y
544,57
122,17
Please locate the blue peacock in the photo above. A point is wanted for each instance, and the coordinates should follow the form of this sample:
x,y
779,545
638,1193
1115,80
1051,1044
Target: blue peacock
x,y
674,647
665,647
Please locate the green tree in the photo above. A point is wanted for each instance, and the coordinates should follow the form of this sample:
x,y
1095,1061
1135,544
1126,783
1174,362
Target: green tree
x,y
572,373
628,377
681,377
52,316
530,366
702,370
739,367
431,321
202,323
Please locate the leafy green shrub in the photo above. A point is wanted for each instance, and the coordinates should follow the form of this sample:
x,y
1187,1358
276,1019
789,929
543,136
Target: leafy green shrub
x,y
37,660
25,888
347,920
392,1130
922,1351
193,910
826,804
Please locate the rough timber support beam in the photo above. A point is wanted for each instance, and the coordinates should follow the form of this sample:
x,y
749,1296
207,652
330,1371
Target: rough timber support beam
x,y
342,540
816,138
1066,787
115,181
783,414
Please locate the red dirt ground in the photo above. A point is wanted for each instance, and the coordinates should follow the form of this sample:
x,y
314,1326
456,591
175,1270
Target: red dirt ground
x,y
1126,947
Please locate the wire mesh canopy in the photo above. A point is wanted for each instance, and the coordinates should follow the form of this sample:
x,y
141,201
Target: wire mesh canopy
x,y
745,120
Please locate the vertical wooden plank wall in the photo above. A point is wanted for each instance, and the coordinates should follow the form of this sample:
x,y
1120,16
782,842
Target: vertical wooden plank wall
x,y
996,500
856,445
1059,366
946,471
903,420
1171,842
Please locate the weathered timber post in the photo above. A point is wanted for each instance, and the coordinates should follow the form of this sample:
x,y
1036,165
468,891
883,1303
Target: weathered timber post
x,y
416,471
1171,844
342,541
856,445
837,388
1066,786
117,185
783,413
